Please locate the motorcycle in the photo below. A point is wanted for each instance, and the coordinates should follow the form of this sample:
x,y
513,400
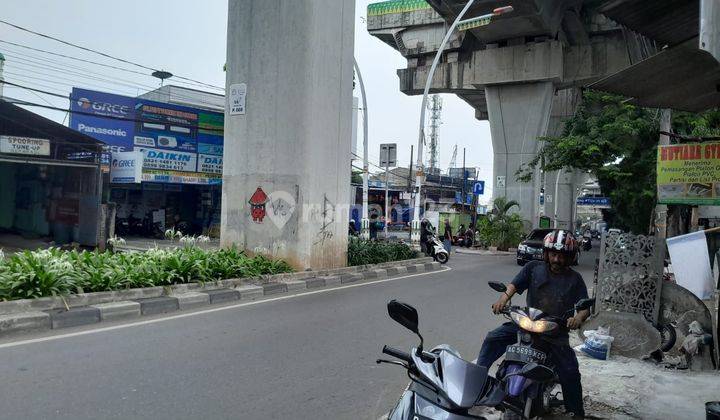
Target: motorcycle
x,y
531,397
444,385
436,250
585,243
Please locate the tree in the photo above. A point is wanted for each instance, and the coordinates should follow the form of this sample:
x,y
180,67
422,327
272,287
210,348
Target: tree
x,y
617,142
500,228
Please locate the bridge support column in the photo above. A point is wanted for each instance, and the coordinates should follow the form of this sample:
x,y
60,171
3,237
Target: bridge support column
x,y
518,114
286,177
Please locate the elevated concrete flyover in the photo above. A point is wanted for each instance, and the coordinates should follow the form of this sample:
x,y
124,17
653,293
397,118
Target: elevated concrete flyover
x,y
522,73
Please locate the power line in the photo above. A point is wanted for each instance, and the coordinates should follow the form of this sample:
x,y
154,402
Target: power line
x,y
99,53
81,60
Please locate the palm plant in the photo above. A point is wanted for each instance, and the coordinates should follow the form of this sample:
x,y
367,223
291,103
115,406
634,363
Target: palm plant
x,y
502,228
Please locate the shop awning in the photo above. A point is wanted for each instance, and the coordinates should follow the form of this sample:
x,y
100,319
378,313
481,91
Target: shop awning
x,y
63,146
683,77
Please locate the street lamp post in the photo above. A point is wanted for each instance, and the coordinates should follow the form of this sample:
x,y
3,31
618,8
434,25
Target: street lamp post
x,y
365,221
465,25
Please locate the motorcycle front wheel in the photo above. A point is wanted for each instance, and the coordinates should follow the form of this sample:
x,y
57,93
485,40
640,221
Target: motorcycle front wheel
x,y
442,257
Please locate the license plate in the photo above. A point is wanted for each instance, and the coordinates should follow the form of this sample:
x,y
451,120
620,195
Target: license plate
x,y
526,353
538,256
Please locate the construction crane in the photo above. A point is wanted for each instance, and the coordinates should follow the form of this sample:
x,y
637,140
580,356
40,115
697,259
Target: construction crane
x,y
435,108
453,160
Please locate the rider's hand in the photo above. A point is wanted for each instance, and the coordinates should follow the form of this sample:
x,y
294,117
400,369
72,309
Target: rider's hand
x,y
498,306
574,323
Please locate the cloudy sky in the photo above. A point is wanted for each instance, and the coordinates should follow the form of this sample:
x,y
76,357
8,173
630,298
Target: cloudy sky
x,y
187,38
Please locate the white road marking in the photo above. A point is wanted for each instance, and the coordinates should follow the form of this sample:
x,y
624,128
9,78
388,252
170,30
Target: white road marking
x,y
207,311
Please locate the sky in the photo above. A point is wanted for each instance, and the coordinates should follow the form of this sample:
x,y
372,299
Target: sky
x,y
188,38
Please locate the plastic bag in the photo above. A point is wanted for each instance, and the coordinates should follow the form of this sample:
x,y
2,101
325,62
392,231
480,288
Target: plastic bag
x,y
597,343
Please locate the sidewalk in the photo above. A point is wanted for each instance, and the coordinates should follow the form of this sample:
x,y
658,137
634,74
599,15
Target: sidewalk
x,y
640,389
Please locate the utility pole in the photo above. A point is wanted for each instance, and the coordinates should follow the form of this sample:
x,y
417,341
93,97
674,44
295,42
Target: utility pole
x,y
661,209
464,189
365,221
467,24
2,81
409,181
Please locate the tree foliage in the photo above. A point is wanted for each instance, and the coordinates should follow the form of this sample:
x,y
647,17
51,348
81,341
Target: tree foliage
x,y
617,142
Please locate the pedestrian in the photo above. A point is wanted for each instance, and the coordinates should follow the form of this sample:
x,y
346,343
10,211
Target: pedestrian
x,y
373,226
447,238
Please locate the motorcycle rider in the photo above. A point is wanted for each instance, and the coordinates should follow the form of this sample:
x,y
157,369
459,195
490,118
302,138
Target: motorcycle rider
x,y
554,288
426,232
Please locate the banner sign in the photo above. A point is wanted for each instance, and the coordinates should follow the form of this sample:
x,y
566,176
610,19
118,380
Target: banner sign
x,y
126,168
174,177
24,146
396,6
602,202
689,174
171,137
210,164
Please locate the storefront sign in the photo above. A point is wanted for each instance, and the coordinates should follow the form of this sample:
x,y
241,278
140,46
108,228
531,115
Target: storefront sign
x,y
126,168
169,160
24,146
601,202
170,134
689,174
152,175
210,164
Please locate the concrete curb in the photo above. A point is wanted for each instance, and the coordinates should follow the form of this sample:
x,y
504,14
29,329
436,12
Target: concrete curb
x,y
42,314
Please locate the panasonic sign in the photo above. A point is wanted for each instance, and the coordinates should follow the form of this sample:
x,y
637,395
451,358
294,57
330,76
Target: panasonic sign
x,y
117,132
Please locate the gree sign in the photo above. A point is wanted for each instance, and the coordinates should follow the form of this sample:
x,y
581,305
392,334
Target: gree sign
x,y
24,146
126,167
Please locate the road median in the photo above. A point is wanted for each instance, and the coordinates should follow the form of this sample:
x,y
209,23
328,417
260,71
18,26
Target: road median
x,y
34,315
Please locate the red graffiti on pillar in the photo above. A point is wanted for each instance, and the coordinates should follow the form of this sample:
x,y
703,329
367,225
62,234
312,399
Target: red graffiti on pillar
x,y
257,203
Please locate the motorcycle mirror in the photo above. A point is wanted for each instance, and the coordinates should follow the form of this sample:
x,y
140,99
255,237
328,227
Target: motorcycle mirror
x,y
584,304
497,286
536,372
404,315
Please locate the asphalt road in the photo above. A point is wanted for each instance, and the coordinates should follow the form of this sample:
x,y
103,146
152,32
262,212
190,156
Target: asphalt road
x,y
308,356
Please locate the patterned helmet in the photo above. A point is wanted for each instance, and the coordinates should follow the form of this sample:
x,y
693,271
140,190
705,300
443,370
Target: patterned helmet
x,y
561,241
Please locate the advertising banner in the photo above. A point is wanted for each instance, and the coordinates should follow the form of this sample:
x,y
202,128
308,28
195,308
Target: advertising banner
x,y
210,164
600,202
153,175
169,160
126,168
24,146
689,174
169,136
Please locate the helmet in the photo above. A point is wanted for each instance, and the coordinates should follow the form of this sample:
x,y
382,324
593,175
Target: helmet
x,y
561,241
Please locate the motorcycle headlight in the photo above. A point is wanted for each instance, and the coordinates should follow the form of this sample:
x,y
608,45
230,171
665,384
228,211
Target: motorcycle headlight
x,y
528,324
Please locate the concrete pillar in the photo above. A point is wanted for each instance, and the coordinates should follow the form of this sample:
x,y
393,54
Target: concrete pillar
x,y
518,114
289,151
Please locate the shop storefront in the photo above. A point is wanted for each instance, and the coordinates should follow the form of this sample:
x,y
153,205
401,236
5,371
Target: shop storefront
x,y
179,150
50,180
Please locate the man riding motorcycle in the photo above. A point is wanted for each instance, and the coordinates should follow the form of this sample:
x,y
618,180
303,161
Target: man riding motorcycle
x,y
554,288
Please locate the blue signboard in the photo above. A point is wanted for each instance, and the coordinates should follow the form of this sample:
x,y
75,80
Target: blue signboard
x,y
594,201
479,188
458,198
185,141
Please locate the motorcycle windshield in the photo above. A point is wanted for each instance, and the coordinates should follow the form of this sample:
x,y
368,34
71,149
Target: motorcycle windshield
x,y
460,381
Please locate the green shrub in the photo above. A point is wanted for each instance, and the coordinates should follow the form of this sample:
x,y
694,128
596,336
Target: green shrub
x,y
500,228
361,252
50,272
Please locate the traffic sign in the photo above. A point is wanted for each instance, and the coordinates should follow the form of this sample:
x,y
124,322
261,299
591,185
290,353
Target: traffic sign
x,y
479,188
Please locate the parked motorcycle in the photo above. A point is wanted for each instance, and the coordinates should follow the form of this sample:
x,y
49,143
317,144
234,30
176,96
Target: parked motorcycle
x,y
436,250
445,386
525,396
